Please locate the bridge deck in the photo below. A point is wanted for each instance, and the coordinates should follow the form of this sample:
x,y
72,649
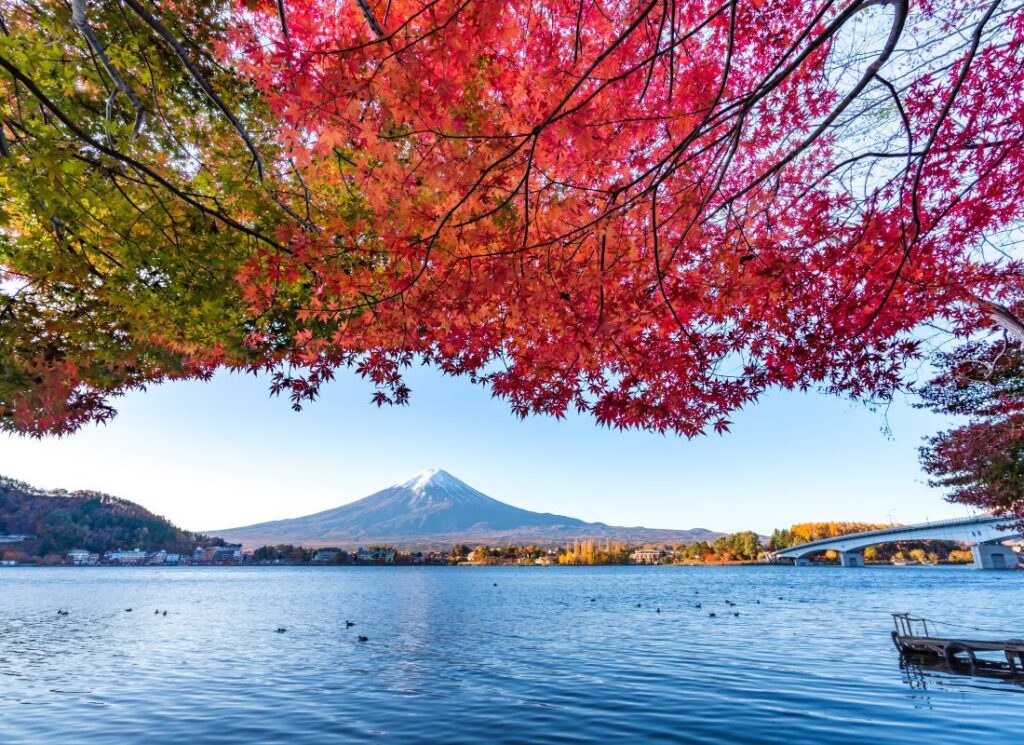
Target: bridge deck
x,y
895,530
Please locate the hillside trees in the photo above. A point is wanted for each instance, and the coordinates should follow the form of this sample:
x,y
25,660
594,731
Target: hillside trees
x,y
649,211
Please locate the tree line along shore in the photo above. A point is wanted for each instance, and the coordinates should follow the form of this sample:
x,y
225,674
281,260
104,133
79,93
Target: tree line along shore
x,y
744,547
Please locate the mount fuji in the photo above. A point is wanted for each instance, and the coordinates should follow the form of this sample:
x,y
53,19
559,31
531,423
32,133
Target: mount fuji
x,y
434,508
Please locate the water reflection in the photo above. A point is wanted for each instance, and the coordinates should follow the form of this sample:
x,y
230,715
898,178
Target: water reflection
x,y
920,669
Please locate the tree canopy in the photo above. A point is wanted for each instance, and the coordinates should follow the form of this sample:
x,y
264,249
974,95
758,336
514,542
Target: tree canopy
x,y
652,211
980,462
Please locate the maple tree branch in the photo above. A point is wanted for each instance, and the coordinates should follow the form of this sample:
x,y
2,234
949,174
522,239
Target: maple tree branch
x,y
1002,317
284,20
895,31
154,23
946,107
82,135
370,19
80,22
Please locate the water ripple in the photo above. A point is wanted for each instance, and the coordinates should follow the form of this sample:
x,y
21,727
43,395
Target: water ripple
x,y
451,658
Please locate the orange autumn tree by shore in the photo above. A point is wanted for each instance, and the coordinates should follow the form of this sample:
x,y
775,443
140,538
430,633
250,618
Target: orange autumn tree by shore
x,y
652,212
807,532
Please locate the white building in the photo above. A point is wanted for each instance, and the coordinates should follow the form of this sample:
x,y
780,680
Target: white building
x,y
647,556
325,555
135,556
82,558
376,556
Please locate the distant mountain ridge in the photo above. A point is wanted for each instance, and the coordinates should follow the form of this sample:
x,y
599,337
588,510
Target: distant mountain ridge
x,y
434,508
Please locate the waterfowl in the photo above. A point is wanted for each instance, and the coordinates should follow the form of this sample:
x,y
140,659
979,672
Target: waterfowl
x,y
348,624
165,613
281,629
127,610
711,615
658,611
737,614
697,605
364,638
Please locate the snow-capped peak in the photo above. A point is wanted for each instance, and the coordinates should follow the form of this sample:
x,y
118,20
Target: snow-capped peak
x,y
421,480
436,484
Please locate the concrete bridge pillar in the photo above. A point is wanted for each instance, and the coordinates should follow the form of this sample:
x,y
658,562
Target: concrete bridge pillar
x,y
993,556
851,558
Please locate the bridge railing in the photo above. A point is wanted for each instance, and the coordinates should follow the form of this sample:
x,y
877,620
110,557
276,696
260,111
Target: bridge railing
x,y
897,529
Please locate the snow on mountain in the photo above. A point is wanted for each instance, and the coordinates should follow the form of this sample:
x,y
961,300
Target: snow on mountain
x,y
435,508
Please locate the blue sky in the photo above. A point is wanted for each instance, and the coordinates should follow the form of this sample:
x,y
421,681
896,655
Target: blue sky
x,y
223,454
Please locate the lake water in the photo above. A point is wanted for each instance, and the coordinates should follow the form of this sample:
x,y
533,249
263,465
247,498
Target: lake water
x,y
545,655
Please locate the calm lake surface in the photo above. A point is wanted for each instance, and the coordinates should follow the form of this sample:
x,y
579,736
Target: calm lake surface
x,y
453,658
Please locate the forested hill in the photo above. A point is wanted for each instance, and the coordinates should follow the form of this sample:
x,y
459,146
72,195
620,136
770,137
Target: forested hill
x,y
61,520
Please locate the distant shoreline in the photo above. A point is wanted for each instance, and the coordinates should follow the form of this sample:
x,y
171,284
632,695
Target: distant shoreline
x,y
306,565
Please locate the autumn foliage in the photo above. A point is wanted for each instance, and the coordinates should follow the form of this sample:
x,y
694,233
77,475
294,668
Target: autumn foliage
x,y
980,462
649,211
808,532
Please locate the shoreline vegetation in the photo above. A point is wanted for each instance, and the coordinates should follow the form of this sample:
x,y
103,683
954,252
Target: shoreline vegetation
x,y
84,528
736,549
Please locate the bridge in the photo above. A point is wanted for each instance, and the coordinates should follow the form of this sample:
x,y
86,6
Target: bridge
x,y
983,532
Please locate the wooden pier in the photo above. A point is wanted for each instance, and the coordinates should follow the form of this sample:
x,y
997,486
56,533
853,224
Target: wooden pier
x,y
912,637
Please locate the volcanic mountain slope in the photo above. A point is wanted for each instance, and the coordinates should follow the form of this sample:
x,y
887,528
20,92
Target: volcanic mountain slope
x,y
434,508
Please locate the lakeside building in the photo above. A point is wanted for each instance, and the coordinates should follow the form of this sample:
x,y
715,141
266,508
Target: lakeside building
x,y
376,556
229,553
133,557
325,555
648,556
175,559
82,558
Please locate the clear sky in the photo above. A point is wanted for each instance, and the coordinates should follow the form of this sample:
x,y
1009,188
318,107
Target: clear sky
x,y
224,454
